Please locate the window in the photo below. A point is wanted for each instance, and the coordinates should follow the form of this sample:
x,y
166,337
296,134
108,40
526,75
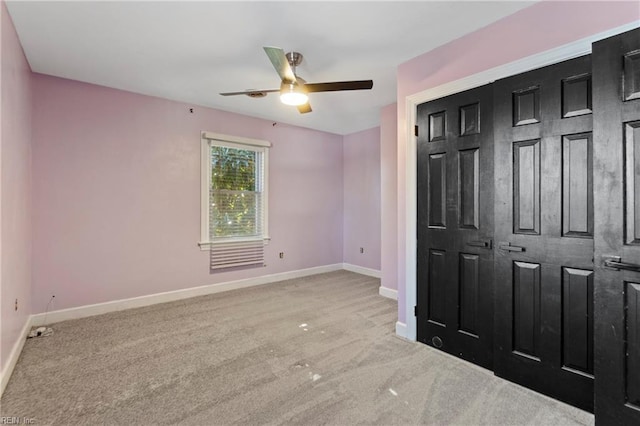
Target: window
x,y
234,198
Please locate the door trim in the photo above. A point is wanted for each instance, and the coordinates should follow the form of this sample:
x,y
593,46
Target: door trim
x,y
549,57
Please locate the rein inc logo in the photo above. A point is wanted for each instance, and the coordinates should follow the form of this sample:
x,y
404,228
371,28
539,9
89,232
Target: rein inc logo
x,y
6,420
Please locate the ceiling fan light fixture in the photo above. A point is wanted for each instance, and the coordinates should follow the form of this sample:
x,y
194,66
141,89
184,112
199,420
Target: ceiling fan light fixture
x,y
293,94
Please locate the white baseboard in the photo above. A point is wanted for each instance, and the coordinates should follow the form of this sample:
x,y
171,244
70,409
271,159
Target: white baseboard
x,y
361,270
14,355
401,329
388,292
170,296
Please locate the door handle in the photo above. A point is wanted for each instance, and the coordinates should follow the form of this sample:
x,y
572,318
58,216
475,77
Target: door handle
x,y
615,262
480,243
509,247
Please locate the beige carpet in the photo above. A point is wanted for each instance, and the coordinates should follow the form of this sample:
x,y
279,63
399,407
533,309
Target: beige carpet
x,y
311,351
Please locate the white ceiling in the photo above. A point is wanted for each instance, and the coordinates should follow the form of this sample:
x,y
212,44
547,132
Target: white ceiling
x,y
191,51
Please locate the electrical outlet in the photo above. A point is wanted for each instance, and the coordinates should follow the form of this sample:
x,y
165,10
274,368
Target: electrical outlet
x,y
281,255
16,305
361,249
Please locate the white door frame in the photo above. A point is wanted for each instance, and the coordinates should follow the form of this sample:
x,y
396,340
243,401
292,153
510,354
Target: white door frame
x,y
549,57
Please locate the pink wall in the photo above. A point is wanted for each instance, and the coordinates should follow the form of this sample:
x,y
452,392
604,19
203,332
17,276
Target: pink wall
x,y
389,196
361,153
535,29
15,188
117,194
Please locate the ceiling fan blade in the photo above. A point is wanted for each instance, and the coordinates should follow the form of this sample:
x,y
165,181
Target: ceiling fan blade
x,y
305,108
250,92
336,86
280,63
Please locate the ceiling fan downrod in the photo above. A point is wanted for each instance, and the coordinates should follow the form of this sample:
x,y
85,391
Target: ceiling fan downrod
x,y
294,59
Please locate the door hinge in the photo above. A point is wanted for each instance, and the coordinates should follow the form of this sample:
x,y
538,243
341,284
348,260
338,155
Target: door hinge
x,y
415,130
415,311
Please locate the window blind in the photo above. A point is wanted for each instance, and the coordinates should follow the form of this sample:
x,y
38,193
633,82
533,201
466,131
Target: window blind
x,y
236,193
234,254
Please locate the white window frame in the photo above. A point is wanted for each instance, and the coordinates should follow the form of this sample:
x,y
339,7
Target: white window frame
x,y
207,139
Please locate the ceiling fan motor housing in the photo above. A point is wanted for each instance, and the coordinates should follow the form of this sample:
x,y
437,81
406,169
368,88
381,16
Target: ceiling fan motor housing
x,y
294,59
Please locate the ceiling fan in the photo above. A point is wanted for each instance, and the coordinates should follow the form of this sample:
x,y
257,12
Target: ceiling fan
x,y
294,89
